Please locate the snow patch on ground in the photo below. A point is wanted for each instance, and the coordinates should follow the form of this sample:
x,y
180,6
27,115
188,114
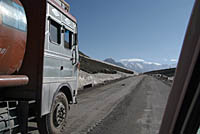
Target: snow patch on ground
x,y
99,78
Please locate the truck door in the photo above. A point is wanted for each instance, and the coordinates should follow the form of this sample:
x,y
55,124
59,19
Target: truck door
x,y
69,49
61,46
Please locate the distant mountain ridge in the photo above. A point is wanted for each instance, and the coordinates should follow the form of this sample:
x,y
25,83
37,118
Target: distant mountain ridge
x,y
112,61
140,65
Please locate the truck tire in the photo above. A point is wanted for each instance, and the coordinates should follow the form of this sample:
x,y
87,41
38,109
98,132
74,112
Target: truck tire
x,y
55,122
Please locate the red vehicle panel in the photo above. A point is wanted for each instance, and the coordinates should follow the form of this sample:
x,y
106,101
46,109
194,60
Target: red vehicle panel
x,y
12,41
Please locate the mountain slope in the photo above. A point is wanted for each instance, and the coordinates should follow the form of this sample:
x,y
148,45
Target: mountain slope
x,y
140,65
112,61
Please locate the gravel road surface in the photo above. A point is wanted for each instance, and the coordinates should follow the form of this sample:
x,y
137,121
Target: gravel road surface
x,y
140,112
94,105
131,106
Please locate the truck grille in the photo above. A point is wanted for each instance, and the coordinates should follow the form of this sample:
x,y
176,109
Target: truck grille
x,y
8,117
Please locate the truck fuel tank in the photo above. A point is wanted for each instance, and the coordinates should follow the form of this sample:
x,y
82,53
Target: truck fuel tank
x,y
13,34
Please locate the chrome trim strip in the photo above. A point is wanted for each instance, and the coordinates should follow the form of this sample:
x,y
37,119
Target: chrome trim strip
x,y
49,52
55,56
58,79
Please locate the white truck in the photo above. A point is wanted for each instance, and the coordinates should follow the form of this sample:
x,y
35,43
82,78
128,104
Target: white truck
x,y
39,65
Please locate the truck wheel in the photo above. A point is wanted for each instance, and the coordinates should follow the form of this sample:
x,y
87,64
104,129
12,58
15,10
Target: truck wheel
x,y
56,120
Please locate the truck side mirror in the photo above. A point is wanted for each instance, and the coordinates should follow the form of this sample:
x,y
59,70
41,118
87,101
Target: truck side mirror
x,y
74,57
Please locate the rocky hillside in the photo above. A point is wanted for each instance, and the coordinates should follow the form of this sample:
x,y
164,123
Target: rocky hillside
x,y
167,72
93,66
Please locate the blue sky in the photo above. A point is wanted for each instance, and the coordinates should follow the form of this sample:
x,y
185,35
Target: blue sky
x,y
152,30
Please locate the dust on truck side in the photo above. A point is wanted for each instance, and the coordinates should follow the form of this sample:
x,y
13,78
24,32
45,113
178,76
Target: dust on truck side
x,y
38,65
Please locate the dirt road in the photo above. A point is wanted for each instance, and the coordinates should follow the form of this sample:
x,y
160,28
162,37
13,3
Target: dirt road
x,y
131,106
94,105
140,112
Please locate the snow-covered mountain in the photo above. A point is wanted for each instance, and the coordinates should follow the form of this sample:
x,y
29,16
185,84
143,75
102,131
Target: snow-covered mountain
x,y
140,65
112,61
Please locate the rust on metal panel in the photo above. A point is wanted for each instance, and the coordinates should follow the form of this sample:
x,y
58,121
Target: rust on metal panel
x,y
0,19
18,2
12,49
66,4
32,65
12,44
13,80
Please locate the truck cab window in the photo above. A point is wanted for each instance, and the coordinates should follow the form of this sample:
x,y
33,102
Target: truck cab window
x,y
68,39
55,32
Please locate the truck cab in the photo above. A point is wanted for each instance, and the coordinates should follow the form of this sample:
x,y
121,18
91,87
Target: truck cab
x,y
39,61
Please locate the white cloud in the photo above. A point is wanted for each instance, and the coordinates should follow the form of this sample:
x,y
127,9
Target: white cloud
x,y
140,60
173,60
132,60
158,64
